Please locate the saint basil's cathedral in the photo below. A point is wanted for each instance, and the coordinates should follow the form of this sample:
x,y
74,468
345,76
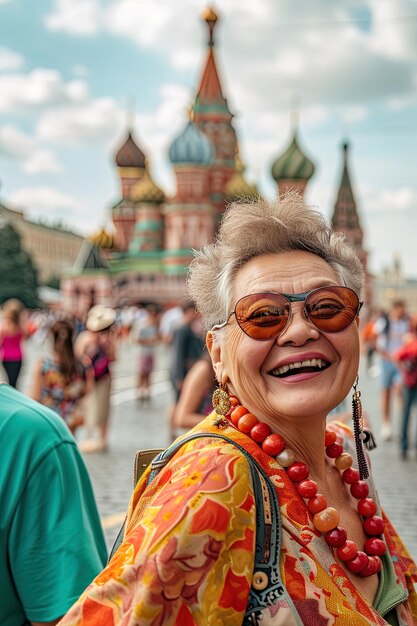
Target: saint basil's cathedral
x,y
146,258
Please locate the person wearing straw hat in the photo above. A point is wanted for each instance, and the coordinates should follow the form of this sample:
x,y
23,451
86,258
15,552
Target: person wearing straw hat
x,y
97,342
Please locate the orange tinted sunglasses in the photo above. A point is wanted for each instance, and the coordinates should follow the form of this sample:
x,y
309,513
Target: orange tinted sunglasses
x,y
264,316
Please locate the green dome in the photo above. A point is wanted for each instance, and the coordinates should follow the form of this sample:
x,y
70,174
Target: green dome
x,y
293,164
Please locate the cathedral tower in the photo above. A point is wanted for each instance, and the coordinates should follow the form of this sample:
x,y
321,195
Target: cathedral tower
x,y
345,219
213,117
130,161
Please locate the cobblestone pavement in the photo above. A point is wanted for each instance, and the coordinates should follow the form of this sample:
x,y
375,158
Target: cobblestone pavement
x,y
134,426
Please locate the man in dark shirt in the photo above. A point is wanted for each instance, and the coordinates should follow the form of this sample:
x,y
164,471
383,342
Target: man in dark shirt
x,y
187,348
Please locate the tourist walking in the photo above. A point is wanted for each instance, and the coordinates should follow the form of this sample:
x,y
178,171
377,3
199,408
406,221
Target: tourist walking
x,y
390,329
406,358
97,343
187,348
61,380
146,335
12,334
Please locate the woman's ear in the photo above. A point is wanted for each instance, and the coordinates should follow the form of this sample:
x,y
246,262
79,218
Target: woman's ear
x,y
215,352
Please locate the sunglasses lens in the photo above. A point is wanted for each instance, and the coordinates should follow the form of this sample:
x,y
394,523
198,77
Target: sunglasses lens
x,y
332,309
262,316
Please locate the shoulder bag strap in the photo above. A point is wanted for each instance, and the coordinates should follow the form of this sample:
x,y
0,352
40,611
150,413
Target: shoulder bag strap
x,y
267,587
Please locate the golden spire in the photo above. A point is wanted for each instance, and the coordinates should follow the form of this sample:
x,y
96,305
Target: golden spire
x,y
210,17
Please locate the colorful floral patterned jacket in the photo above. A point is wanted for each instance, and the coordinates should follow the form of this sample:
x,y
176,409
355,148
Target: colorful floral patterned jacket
x,y
188,554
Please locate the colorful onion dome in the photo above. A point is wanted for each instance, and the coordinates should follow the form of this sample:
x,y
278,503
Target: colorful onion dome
x,y
238,186
145,190
130,155
102,239
293,164
192,147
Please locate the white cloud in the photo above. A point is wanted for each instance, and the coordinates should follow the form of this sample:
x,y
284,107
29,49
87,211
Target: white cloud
x,y
53,205
390,201
158,129
14,142
77,17
10,60
40,88
43,199
326,52
140,21
42,161
91,121
391,223
23,147
395,103
391,34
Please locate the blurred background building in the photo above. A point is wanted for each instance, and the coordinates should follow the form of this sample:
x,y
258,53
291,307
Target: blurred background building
x,y
154,235
53,250
145,256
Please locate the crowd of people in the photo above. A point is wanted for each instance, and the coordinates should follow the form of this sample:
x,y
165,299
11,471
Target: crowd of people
x,y
73,377
391,335
266,510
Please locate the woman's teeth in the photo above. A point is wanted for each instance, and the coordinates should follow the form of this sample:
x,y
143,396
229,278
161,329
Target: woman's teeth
x,y
315,363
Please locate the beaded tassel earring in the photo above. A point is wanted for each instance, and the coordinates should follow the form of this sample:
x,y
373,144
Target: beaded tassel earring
x,y
360,436
221,404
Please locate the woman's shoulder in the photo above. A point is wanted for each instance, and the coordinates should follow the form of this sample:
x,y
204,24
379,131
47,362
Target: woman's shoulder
x,y
201,461
210,446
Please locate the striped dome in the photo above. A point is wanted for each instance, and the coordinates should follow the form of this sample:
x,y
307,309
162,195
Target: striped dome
x,y
293,164
191,147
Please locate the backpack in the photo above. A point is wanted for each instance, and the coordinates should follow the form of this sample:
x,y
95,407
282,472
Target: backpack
x,y
267,587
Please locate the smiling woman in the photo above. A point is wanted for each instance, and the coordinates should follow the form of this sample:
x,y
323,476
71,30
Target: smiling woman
x,y
262,514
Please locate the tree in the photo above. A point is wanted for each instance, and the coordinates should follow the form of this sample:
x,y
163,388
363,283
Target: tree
x,y
18,274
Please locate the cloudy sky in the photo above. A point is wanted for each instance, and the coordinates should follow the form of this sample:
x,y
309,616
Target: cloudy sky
x,y
71,69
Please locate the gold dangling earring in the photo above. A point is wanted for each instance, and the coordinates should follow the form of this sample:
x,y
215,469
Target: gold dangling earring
x,y
221,404
360,436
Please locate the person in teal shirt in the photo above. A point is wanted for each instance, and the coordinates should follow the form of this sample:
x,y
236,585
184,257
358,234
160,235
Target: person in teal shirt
x,y
51,540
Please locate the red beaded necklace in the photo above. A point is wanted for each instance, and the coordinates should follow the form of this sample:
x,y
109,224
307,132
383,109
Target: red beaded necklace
x,y
326,519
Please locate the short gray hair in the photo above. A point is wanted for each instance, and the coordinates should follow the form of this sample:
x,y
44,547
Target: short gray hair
x,y
253,228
